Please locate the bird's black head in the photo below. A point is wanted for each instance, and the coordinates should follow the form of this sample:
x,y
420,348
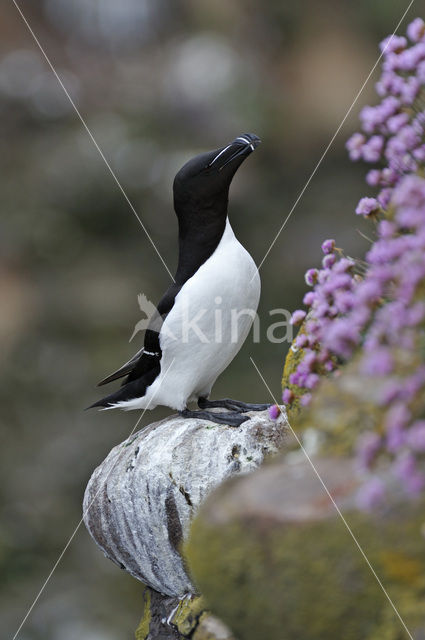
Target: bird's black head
x,y
203,182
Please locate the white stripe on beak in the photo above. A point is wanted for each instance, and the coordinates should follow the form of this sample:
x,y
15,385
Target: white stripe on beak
x,y
246,142
219,154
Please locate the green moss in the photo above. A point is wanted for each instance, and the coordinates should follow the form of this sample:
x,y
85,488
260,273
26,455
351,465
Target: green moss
x,y
340,416
293,358
188,614
142,630
309,581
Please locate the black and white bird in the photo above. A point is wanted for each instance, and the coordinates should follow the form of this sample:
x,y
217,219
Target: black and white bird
x,y
184,350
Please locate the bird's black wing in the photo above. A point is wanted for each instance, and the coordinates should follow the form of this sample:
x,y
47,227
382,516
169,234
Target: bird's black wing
x,y
149,356
122,371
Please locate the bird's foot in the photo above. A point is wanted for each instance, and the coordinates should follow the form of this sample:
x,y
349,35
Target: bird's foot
x,y
233,405
232,419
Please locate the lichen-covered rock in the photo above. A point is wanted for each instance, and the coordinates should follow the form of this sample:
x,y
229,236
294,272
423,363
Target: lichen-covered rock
x,y
140,501
211,628
166,618
274,559
155,624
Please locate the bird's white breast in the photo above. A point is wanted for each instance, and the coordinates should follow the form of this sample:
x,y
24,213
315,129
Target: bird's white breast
x,y
206,327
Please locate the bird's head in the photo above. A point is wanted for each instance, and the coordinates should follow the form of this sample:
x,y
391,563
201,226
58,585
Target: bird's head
x,y
204,181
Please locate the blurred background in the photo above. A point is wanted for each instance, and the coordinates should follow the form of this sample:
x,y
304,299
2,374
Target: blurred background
x,y
157,81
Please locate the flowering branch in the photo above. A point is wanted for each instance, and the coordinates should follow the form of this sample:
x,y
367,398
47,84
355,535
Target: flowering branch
x,y
372,313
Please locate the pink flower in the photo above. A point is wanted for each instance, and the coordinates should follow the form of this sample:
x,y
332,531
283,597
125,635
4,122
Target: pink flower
x,y
371,494
393,44
274,412
367,207
416,30
354,146
287,396
311,276
298,317
328,246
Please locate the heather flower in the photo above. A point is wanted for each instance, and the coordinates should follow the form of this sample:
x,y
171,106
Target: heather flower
x,y
309,298
416,30
306,399
287,396
411,192
372,149
328,246
369,292
368,447
409,91
419,152
397,122
371,118
298,317
374,177
396,422
354,146
312,381
384,198
420,72
328,261
342,337
407,470
386,229
393,44
415,437
371,494
301,341
389,176
409,137
367,207
274,412
311,276
379,362
344,265
375,310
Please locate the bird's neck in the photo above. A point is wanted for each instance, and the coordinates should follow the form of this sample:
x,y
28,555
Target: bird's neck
x,y
200,232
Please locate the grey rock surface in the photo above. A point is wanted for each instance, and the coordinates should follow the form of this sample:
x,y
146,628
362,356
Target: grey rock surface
x,y
139,503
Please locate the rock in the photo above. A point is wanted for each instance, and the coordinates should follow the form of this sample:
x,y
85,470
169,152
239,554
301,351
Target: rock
x,y
211,628
274,559
140,501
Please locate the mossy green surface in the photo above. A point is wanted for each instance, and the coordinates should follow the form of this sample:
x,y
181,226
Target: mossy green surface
x,y
188,615
186,621
340,416
309,581
142,630
293,359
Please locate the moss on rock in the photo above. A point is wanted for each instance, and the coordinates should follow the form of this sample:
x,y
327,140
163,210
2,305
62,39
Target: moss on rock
x,y
288,571
186,619
187,616
142,631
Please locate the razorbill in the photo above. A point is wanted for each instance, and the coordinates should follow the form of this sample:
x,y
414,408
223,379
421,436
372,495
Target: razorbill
x,y
205,315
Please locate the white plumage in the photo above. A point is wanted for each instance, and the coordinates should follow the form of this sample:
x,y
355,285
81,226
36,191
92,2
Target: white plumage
x,y
222,296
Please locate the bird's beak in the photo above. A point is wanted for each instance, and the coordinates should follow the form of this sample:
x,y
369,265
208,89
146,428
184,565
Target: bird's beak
x,y
240,148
